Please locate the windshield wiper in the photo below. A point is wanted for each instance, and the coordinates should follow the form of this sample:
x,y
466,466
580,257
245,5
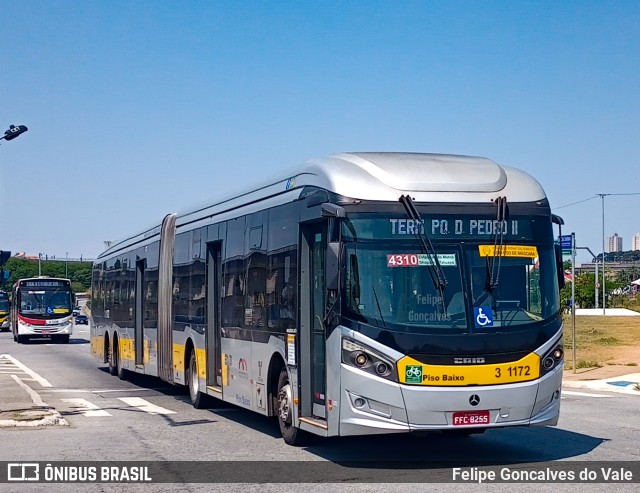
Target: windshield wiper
x,y
434,267
379,310
499,247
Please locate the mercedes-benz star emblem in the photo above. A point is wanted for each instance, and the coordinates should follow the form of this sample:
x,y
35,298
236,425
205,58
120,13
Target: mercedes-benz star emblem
x,y
474,400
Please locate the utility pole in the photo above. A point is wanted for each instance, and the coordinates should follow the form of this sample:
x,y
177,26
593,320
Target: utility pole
x,y
573,297
604,298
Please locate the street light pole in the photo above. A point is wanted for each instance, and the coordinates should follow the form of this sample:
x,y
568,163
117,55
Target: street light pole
x,y
66,262
597,299
604,299
39,264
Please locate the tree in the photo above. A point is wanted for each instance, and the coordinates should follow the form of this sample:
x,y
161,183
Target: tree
x,y
586,291
19,268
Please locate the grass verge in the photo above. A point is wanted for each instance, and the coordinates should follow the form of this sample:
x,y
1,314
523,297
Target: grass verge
x,y
602,340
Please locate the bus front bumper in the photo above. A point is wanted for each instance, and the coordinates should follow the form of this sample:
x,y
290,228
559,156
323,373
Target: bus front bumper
x,y
372,405
45,330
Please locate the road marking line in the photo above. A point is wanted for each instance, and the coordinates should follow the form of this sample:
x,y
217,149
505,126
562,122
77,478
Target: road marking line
x,y
583,394
86,408
145,406
37,400
41,380
121,390
62,391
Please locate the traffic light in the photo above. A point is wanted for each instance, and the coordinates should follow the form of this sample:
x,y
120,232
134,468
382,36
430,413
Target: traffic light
x,y
14,131
4,256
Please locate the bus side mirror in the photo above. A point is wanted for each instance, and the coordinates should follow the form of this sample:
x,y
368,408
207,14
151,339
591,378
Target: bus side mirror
x,y
332,267
559,266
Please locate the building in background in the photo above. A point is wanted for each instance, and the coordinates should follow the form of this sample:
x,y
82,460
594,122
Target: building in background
x,y
615,243
635,242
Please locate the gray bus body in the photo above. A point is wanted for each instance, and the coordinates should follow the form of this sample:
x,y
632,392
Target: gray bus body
x,y
315,298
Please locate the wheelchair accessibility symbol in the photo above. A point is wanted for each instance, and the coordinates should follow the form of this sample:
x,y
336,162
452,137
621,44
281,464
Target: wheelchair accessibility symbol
x,y
483,316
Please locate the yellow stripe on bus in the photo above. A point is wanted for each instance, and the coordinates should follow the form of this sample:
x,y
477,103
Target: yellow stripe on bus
x,y
178,357
126,350
201,361
97,346
411,371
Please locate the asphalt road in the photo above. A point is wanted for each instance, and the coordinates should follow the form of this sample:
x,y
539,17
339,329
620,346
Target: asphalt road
x,y
144,419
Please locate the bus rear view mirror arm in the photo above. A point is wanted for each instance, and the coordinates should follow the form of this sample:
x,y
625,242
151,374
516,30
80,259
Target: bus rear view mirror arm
x,y
332,210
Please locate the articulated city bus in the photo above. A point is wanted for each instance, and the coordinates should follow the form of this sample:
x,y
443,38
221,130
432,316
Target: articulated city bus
x,y
41,307
362,293
4,312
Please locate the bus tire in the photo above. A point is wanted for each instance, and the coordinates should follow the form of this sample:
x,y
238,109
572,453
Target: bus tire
x,y
113,357
284,412
63,339
197,398
22,339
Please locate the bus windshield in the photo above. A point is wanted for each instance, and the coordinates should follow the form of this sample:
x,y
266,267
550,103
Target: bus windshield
x,y
45,302
390,281
4,303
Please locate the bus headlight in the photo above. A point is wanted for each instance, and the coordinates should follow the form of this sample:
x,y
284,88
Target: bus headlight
x,y
552,359
382,369
364,358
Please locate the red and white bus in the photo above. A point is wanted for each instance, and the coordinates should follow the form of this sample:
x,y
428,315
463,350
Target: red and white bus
x,y
42,307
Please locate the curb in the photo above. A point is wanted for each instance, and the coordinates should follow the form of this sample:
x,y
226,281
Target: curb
x,y
23,407
48,417
621,385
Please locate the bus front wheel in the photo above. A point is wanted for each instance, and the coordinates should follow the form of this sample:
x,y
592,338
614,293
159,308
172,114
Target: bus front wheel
x,y
284,410
198,399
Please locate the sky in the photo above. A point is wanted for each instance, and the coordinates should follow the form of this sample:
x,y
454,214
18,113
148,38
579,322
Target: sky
x,y
139,109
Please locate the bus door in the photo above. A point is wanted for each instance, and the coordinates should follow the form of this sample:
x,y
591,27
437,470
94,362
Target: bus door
x,y
138,335
312,336
212,334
